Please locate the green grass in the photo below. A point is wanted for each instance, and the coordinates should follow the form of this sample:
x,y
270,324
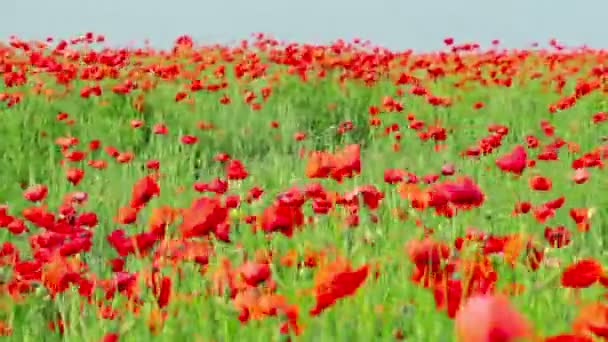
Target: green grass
x,y
271,155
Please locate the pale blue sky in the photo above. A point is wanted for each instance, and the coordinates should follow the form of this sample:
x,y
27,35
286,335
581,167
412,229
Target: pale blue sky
x,y
397,24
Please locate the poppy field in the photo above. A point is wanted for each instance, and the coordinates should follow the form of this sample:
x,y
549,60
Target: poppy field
x,y
274,191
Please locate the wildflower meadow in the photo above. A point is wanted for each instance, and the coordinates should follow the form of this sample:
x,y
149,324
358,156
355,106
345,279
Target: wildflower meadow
x,y
278,191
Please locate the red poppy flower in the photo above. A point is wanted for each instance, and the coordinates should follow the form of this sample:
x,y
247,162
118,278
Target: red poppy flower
x,y
581,274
